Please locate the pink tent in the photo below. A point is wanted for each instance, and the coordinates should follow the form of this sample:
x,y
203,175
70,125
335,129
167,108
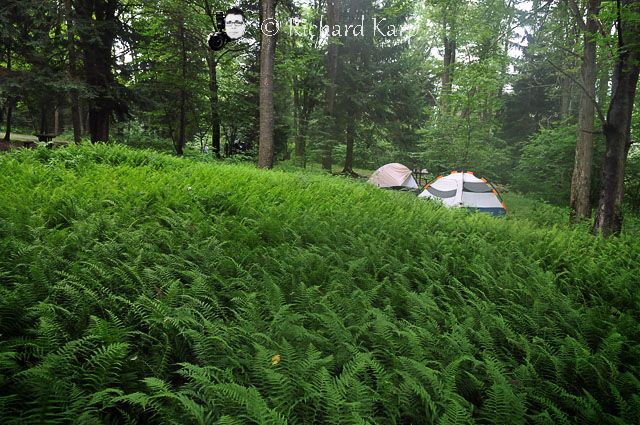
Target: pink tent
x,y
393,175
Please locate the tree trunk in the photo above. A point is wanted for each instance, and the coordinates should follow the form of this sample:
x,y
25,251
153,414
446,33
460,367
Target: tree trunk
x,y
267,58
84,112
448,61
350,138
74,97
307,106
10,100
566,81
7,133
43,128
581,178
333,18
97,36
57,125
566,90
617,129
99,115
76,117
297,120
213,103
603,87
183,95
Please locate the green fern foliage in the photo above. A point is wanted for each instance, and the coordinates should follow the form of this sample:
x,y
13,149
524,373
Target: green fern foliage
x,y
140,288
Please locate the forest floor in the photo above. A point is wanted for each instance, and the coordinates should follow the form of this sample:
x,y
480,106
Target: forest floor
x,y
17,137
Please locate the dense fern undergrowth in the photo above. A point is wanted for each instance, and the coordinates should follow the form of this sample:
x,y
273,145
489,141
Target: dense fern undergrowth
x,y
140,288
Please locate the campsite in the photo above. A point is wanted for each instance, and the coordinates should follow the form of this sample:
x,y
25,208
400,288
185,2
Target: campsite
x,y
262,213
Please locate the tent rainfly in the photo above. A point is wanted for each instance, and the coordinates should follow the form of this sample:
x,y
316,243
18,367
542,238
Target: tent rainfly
x,y
393,175
464,190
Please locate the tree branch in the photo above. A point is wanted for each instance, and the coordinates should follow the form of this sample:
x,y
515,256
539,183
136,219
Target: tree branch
x,y
576,13
601,115
530,13
568,51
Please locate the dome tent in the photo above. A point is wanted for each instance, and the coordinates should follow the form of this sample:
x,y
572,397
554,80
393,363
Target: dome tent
x,y
464,190
393,175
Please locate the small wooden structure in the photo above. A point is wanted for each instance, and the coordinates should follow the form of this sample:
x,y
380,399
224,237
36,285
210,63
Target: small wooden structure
x,y
45,137
421,175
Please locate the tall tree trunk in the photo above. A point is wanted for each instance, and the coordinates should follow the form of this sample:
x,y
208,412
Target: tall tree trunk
x,y
307,106
617,129
566,90
581,178
84,113
97,36
350,138
74,96
603,87
7,133
267,58
214,105
10,101
604,73
62,118
212,63
570,32
333,18
448,62
57,127
43,128
183,94
76,115
297,120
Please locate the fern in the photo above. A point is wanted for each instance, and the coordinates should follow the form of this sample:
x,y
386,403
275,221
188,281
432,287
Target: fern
x,y
127,298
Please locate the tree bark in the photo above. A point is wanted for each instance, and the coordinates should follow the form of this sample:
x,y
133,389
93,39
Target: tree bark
x,y
74,96
565,80
57,125
214,104
350,139
617,129
7,133
212,64
84,113
603,87
267,58
297,119
308,104
566,90
97,36
183,94
448,62
42,126
10,101
333,18
581,178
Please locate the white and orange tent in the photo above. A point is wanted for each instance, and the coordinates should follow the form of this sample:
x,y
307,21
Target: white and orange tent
x,y
393,175
464,190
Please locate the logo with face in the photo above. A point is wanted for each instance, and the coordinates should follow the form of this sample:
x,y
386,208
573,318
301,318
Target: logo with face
x,y
234,24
